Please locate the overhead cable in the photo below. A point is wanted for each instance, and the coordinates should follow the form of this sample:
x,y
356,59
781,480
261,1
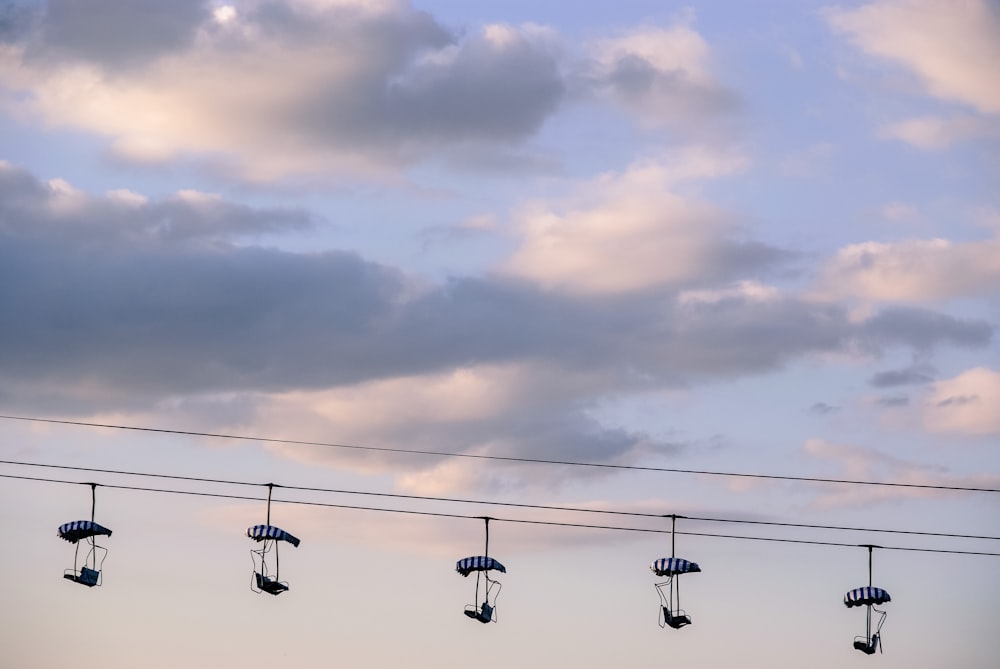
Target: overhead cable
x,y
520,505
503,458
504,520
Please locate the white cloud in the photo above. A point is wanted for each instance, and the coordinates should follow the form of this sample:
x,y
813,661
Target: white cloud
x,y
127,197
519,409
966,404
742,290
628,232
914,271
197,198
224,14
499,34
676,49
144,149
933,132
451,397
664,74
865,464
65,199
952,46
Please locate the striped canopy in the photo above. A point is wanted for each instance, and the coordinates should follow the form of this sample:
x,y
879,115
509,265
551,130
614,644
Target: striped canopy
x,y
466,566
865,596
263,532
81,529
671,566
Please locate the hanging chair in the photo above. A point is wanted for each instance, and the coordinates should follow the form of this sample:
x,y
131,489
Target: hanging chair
x,y
869,597
482,565
269,537
84,532
670,612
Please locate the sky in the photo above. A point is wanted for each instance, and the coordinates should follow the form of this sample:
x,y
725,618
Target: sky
x,y
715,236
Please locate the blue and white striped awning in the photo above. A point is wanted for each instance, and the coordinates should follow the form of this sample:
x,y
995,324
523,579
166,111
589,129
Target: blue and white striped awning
x,y
262,532
671,566
81,529
865,596
466,566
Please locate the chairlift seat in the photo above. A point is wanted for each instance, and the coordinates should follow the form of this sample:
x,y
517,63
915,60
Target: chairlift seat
x,y
87,577
677,621
476,615
268,585
483,615
864,647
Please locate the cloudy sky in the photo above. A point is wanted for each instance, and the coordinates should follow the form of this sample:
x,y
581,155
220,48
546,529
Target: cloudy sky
x,y
751,237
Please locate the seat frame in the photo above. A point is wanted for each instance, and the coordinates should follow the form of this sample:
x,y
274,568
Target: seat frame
x,y
269,585
86,576
677,621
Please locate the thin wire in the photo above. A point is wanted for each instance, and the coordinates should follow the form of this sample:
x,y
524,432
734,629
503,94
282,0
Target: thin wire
x,y
502,458
520,505
123,472
549,523
843,528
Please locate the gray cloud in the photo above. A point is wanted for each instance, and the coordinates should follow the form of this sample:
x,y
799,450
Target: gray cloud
x,y
923,329
823,409
735,258
484,157
106,309
17,20
893,401
389,35
505,91
910,376
117,33
384,84
550,428
958,400
359,86
31,209
157,295
481,91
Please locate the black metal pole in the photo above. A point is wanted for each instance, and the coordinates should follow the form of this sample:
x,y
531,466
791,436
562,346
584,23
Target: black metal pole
x,y
868,625
479,574
270,488
676,581
870,566
487,536
277,557
93,542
